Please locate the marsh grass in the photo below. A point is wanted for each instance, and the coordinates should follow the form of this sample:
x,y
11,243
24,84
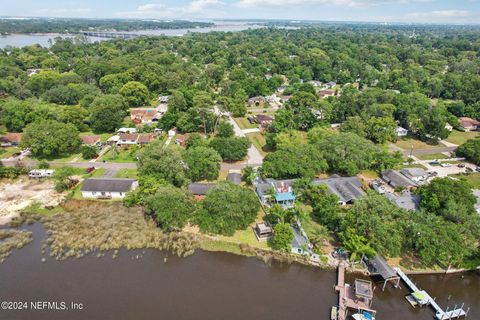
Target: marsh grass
x,y
86,227
12,239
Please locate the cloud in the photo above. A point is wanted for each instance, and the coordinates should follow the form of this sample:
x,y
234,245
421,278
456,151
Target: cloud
x,y
441,15
61,12
205,8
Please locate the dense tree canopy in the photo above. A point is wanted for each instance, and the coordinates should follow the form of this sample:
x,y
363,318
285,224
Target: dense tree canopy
x,y
203,163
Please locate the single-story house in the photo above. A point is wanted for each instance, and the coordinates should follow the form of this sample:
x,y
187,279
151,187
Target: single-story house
x,y
347,189
199,190
300,243
145,115
107,188
407,200
127,139
397,179
90,140
263,231
234,177
415,174
330,85
401,132
263,120
326,93
11,139
468,124
127,130
282,192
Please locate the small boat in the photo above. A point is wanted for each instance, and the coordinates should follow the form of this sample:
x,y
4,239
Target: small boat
x,y
420,296
334,313
363,316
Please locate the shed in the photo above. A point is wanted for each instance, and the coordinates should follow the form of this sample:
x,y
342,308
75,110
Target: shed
x,y
263,231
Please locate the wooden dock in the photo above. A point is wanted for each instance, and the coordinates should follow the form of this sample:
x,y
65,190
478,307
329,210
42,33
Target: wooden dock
x,y
426,299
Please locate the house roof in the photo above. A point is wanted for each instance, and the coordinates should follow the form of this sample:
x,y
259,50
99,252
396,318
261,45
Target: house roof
x,y
348,189
129,136
284,196
468,122
125,130
299,240
145,138
396,179
363,288
200,189
262,188
11,137
234,177
107,185
263,118
413,172
90,139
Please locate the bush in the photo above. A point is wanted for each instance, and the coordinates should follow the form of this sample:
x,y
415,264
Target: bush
x,y
282,237
88,152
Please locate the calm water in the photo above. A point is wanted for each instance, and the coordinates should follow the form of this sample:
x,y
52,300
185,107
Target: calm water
x,y
21,40
204,286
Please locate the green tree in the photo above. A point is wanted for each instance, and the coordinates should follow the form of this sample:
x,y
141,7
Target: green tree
x,y
135,94
248,175
107,113
203,163
282,237
88,152
470,150
225,130
170,206
50,138
227,208
163,164
231,149
62,178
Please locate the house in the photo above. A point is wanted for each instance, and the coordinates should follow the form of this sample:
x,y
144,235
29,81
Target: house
x,y
300,243
326,93
401,132
468,124
347,189
397,179
234,177
127,130
107,188
263,120
199,190
263,231
128,139
406,200
90,140
276,191
144,116
172,132
330,85
10,139
256,101
415,174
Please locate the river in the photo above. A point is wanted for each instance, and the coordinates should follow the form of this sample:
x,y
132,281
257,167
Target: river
x,y
21,40
203,286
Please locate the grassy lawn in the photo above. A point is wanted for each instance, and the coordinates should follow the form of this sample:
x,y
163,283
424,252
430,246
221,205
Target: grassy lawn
x,y
243,123
459,137
434,156
246,237
258,140
406,144
473,179
121,156
8,152
127,174
369,174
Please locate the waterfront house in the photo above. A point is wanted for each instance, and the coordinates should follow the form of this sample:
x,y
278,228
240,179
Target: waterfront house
x,y
468,124
10,139
300,243
401,132
107,188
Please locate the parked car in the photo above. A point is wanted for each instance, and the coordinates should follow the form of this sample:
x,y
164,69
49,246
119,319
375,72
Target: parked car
x,y
461,165
89,169
446,165
434,163
477,169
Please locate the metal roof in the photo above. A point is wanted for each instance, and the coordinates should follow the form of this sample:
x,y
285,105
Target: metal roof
x,y
200,189
348,189
380,266
284,196
107,185
396,179
298,241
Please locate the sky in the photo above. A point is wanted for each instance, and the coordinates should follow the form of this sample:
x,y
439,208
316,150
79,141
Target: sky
x,y
422,11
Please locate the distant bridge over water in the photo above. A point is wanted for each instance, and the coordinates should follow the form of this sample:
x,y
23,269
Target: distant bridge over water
x,y
111,35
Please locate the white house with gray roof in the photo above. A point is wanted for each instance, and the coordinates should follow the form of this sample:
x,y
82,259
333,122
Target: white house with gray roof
x,y
107,188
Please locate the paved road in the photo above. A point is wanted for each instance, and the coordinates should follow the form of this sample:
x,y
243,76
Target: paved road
x,y
106,165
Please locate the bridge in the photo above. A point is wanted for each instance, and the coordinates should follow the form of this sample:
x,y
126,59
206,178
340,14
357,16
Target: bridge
x,y
111,35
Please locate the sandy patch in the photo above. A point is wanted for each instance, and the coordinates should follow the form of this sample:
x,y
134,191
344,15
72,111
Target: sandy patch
x,y
18,194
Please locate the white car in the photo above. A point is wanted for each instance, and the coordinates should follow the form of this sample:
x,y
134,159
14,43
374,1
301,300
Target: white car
x,y
445,165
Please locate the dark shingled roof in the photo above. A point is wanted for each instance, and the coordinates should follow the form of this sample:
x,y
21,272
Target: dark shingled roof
x,y
234,177
200,189
107,185
380,266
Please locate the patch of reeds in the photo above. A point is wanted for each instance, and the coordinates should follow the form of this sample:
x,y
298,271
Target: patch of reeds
x,y
90,226
12,239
